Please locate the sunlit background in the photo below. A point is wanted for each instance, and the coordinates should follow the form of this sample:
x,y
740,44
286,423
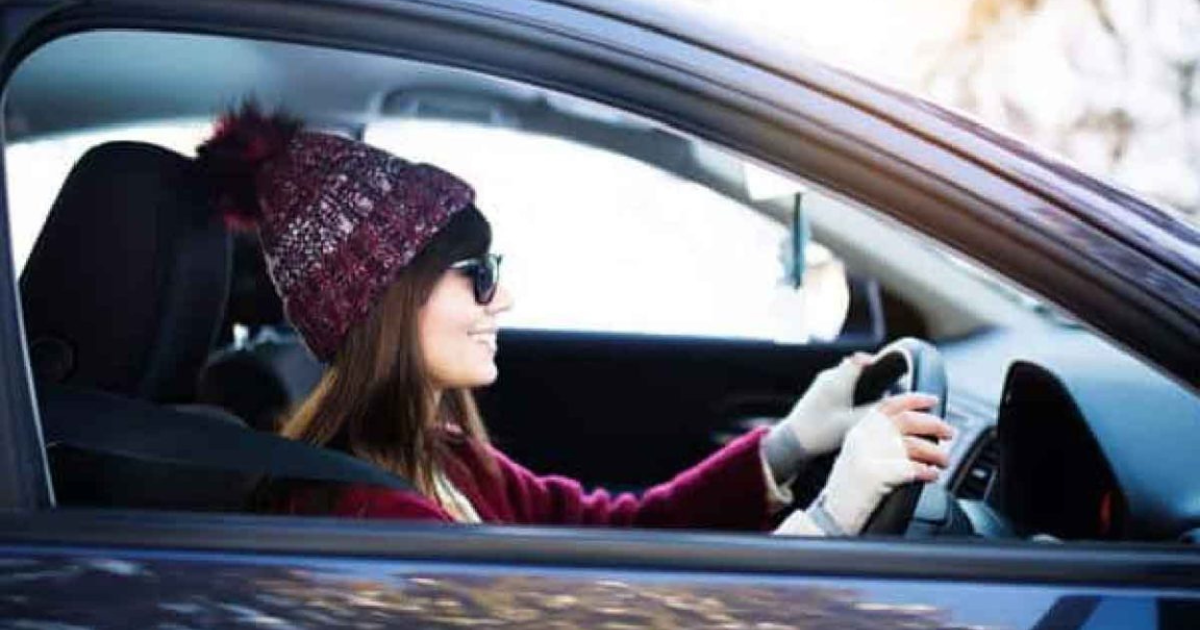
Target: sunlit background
x,y
1109,85
1112,86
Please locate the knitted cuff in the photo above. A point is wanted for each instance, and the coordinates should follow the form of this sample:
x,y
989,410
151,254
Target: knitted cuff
x,y
784,453
798,523
823,519
779,493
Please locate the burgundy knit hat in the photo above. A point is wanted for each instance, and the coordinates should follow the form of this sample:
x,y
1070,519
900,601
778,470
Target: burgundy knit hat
x,y
337,219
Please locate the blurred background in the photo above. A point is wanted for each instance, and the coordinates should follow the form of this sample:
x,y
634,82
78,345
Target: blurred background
x,y
1112,86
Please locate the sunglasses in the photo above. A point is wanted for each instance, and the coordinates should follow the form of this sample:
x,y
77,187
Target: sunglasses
x,y
484,272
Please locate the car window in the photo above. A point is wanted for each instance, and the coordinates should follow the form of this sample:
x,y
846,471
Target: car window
x,y
36,169
609,223
663,255
613,244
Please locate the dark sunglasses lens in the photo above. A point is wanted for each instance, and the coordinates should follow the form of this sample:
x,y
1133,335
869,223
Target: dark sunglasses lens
x,y
487,274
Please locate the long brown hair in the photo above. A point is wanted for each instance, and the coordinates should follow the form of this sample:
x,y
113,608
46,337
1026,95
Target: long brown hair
x,y
375,400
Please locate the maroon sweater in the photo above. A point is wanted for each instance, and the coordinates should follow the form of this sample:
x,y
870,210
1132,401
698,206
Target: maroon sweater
x,y
725,491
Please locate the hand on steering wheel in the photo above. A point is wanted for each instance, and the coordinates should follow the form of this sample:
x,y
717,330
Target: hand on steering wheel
x,y
905,412
881,452
880,489
818,423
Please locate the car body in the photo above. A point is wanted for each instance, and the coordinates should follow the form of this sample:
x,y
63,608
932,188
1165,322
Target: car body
x,y
1080,418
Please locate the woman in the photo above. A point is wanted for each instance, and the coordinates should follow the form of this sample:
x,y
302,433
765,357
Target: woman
x,y
384,268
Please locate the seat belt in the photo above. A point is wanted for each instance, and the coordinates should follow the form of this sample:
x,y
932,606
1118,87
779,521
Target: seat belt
x,y
96,421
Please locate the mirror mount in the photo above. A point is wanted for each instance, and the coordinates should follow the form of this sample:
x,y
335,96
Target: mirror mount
x,y
800,235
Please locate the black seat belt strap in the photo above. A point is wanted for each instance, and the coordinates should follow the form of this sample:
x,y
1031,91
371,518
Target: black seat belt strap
x,y
112,425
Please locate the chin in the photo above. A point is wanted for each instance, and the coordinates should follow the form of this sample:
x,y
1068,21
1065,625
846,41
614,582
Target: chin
x,y
479,378
489,377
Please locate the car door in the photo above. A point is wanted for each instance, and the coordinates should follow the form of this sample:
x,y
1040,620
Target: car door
x,y
93,567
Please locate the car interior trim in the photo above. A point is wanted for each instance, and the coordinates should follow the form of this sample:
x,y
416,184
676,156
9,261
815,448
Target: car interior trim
x,y
24,472
975,560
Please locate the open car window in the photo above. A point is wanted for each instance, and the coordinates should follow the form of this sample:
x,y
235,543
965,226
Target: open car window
x,y
659,242
595,241
656,254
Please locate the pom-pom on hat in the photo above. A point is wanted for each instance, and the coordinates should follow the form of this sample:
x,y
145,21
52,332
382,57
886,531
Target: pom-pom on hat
x,y
337,218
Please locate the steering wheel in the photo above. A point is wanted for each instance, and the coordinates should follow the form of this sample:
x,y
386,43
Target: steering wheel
x,y
906,365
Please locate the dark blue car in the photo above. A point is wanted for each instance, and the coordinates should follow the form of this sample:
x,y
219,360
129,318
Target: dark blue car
x,y
695,223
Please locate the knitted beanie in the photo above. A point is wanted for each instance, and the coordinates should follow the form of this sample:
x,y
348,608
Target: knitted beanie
x,y
337,219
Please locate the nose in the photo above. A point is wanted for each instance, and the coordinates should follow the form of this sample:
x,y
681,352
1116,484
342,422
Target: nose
x,y
501,302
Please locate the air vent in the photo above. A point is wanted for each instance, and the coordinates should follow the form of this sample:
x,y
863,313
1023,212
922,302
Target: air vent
x,y
981,470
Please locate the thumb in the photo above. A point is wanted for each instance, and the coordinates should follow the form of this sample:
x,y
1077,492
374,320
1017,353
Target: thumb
x,y
845,376
861,359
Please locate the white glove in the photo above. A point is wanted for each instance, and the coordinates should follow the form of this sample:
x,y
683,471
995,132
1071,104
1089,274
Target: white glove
x,y
819,421
876,458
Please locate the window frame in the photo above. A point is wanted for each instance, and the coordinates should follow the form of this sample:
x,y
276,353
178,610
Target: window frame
x,y
782,123
968,187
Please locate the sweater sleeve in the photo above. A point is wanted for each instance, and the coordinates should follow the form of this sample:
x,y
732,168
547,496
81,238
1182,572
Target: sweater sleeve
x,y
728,490
363,501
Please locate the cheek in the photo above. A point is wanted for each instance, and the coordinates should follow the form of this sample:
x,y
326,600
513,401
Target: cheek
x,y
440,322
452,358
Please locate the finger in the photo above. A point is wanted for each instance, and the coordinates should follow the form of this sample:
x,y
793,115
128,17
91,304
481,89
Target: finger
x,y
898,471
903,402
924,472
925,452
902,471
860,359
917,423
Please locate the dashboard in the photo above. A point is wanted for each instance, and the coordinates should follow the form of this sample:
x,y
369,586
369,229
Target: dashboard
x,y
1052,477
1065,435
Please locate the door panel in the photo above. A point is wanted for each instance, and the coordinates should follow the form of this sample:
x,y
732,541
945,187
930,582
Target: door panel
x,y
129,589
627,411
322,573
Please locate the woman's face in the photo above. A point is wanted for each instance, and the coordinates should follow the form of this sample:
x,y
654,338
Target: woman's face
x,y
458,335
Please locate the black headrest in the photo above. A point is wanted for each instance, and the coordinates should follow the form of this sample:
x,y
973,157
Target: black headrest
x,y
126,286
283,373
252,299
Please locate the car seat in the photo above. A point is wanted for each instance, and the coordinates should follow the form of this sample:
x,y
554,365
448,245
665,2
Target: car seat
x,y
265,370
261,378
126,284
122,294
